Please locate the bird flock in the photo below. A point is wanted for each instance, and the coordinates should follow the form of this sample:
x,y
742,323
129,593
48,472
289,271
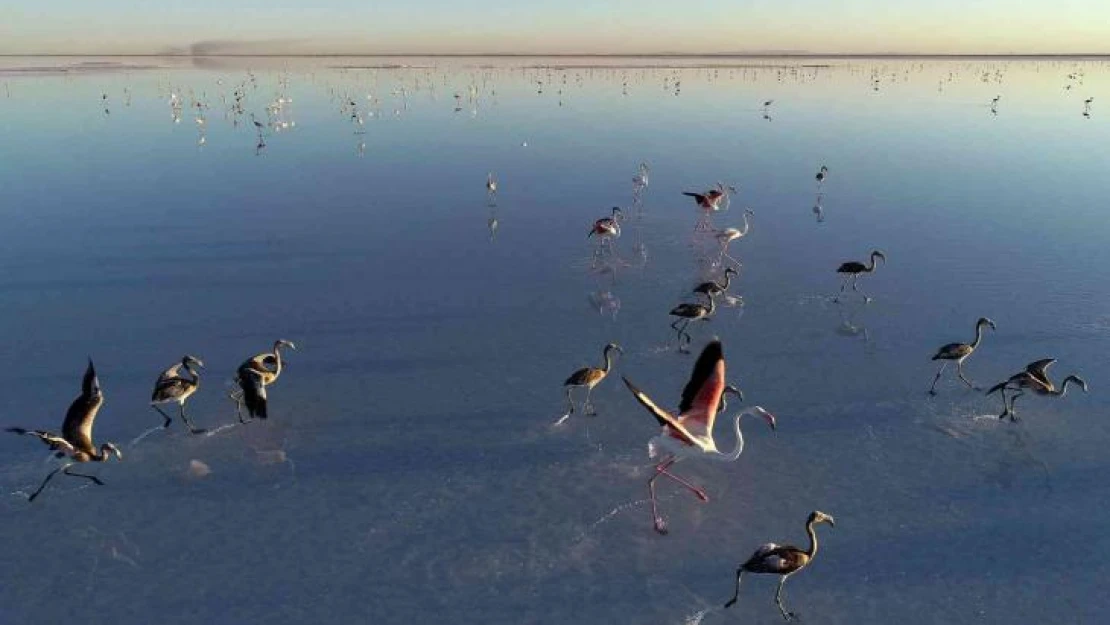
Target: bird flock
x,y
685,434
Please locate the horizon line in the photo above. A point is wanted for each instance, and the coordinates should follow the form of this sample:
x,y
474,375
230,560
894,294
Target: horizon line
x,y
768,54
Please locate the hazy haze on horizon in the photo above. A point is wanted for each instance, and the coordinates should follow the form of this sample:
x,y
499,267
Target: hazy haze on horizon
x,y
578,26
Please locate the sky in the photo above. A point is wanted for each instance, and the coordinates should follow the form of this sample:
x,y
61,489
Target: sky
x,y
554,26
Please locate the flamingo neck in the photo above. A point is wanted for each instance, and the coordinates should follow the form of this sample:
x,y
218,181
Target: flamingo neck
x,y
744,231
608,359
728,281
277,358
871,266
812,551
739,449
978,335
1064,386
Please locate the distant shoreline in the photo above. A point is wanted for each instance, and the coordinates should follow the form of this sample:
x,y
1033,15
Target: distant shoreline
x,y
761,55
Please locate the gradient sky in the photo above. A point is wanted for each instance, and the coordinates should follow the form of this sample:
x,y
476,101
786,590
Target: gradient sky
x,y
555,26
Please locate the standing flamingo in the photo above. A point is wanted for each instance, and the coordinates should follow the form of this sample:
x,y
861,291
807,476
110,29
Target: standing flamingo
x,y
852,271
712,289
491,189
687,312
76,439
253,376
959,352
822,174
1035,379
588,377
728,235
782,560
607,228
172,387
690,434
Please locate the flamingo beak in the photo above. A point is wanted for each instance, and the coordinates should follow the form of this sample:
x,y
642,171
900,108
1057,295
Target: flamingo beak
x,y
832,521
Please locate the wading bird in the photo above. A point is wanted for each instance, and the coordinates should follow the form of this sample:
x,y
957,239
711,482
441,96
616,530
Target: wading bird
x,y
588,377
1034,379
491,186
959,352
852,271
821,174
607,228
172,387
728,235
690,434
640,180
712,289
76,440
712,199
253,376
687,312
782,560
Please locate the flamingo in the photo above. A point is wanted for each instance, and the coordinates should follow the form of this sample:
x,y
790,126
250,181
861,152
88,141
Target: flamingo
x,y
172,387
712,289
821,174
588,377
852,271
686,313
491,186
959,352
711,200
76,440
254,375
690,434
1035,379
728,235
607,228
782,560
640,180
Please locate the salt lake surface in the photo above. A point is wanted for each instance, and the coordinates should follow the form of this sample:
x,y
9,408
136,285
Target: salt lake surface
x,y
409,471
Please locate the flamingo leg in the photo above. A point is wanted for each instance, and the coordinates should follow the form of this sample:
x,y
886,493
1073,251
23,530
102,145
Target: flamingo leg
x,y
1005,405
736,593
93,478
659,523
164,416
843,286
1011,411
45,482
570,408
778,599
698,491
588,407
933,388
960,372
184,417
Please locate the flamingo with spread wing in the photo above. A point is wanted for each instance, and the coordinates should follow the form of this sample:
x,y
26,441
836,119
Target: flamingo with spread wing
x,y
690,434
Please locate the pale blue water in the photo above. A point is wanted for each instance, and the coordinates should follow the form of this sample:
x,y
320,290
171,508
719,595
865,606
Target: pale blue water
x,y
423,479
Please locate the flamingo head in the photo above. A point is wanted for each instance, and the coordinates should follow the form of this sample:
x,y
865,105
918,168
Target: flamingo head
x,y
614,346
110,448
817,516
735,391
987,322
284,343
759,411
879,254
191,361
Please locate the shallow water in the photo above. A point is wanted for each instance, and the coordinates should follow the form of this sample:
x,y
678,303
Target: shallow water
x,y
410,470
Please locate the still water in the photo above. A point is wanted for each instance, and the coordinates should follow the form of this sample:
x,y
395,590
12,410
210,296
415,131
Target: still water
x,y
410,471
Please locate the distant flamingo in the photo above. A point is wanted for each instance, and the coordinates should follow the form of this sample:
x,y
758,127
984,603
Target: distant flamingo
x,y
959,353
714,198
728,235
588,377
1034,379
852,271
607,228
690,434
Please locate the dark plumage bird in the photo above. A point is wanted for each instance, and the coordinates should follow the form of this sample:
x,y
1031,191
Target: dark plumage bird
x,y
76,440
852,271
172,387
712,199
607,227
712,289
686,313
782,560
588,377
959,352
1035,380
821,174
254,375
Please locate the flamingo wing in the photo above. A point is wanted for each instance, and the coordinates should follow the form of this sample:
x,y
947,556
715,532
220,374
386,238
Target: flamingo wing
x,y
664,417
1039,368
702,395
78,424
